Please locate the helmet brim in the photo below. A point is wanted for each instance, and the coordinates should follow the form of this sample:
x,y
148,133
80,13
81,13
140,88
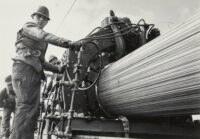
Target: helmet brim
x,y
40,14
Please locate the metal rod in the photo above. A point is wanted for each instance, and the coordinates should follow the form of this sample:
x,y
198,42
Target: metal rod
x,y
77,68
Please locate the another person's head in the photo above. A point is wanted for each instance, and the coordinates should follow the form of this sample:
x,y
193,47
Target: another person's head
x,y
41,16
53,60
8,81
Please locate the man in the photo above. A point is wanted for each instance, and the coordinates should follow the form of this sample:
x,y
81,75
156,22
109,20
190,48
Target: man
x,y
29,62
7,102
54,77
53,60
51,82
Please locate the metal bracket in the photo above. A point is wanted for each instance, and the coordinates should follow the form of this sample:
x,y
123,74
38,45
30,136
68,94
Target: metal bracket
x,y
125,124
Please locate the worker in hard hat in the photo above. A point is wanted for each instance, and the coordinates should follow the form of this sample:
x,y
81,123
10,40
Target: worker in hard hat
x,y
52,81
53,60
7,102
54,77
29,62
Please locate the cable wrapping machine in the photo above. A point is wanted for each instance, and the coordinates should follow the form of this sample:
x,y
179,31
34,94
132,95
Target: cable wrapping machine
x,y
161,78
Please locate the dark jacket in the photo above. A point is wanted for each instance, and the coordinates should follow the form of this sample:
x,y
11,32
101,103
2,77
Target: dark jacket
x,y
7,99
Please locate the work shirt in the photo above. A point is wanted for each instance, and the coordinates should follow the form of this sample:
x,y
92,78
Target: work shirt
x,y
7,99
30,38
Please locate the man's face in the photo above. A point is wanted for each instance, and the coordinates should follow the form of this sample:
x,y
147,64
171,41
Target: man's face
x,y
40,20
54,61
9,86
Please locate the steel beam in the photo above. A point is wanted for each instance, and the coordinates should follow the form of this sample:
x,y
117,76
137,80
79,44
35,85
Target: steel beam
x,y
114,128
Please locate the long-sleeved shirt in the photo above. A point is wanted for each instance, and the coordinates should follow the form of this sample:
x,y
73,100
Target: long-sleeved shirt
x,y
32,37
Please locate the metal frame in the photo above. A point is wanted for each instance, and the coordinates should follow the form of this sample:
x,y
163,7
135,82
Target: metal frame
x,y
114,128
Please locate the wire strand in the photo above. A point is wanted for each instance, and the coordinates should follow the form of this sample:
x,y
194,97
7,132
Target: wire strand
x,y
67,13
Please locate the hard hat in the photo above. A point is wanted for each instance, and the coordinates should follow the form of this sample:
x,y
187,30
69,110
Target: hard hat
x,y
8,79
52,57
42,10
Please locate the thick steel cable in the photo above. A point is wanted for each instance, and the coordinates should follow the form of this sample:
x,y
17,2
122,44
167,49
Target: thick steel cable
x,y
160,78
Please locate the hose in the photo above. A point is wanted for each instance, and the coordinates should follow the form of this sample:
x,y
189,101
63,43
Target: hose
x,y
99,73
104,27
108,36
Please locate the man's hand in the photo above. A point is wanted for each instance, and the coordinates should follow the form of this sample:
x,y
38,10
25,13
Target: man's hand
x,y
75,45
61,69
65,44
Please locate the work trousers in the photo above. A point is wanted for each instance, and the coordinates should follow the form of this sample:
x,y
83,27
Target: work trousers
x,y
26,84
5,125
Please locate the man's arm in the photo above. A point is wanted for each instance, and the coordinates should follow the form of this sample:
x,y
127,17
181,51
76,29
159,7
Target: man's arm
x,y
48,87
49,67
34,32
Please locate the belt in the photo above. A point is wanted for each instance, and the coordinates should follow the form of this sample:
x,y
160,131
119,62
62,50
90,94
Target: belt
x,y
18,61
28,52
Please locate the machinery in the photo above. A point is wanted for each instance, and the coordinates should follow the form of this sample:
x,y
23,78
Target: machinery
x,y
124,83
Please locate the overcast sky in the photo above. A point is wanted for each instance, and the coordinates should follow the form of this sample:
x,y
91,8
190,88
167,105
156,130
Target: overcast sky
x,y
84,16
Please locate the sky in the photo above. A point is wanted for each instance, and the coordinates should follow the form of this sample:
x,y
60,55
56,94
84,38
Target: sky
x,y
84,16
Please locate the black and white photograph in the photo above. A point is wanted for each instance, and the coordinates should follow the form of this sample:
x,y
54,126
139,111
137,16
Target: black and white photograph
x,y
100,69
